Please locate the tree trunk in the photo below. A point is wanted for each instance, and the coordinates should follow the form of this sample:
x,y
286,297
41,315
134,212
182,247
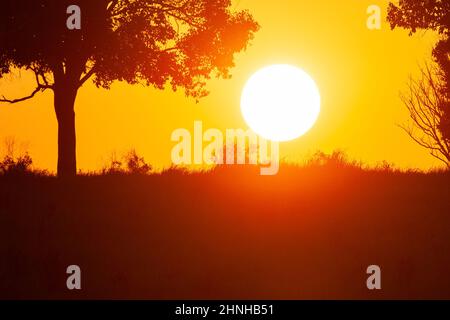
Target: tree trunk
x,y
65,96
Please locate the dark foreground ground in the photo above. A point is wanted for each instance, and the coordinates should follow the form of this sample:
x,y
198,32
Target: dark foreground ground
x,y
231,234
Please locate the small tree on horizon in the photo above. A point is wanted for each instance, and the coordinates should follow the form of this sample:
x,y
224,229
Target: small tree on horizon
x,y
181,43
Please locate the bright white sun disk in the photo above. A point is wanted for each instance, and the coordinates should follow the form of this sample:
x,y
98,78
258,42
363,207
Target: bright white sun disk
x,y
280,102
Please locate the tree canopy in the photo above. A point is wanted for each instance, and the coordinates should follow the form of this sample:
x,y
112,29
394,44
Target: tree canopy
x,y
433,15
155,42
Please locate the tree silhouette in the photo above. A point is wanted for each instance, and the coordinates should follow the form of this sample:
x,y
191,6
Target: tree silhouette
x,y
432,15
180,43
424,101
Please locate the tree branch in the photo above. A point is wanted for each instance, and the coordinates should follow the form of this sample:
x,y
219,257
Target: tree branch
x,y
86,77
40,87
424,102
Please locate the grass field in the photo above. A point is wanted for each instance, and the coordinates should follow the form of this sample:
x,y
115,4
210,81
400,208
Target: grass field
x,y
309,232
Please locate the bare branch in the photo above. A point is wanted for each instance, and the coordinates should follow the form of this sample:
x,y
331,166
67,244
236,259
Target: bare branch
x,y
40,87
424,102
3,99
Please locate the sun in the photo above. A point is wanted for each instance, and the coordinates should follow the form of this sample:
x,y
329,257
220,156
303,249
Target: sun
x,y
280,102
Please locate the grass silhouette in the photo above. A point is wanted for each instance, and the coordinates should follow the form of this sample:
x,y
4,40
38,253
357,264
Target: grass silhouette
x,y
228,233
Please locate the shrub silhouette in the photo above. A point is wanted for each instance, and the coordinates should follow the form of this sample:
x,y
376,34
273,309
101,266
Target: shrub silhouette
x,y
136,164
131,163
14,166
337,159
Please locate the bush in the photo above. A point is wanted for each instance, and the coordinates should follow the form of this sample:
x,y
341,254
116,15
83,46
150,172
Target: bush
x,y
337,159
20,165
136,164
131,163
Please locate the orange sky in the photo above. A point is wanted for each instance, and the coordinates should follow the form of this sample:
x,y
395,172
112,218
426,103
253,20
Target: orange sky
x,y
360,74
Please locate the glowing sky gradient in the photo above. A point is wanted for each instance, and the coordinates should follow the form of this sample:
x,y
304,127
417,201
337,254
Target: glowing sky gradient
x,y
360,74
